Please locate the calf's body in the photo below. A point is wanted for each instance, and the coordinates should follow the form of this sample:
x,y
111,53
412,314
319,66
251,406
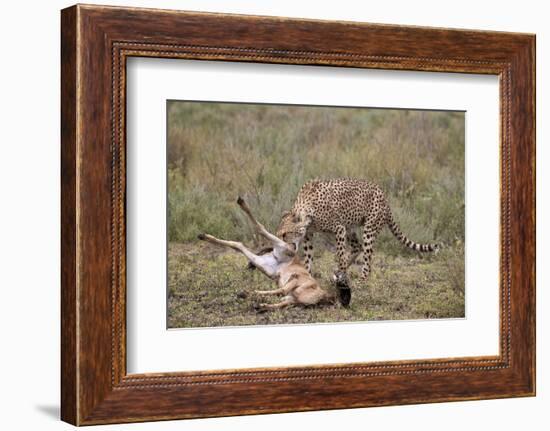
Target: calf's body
x,y
282,264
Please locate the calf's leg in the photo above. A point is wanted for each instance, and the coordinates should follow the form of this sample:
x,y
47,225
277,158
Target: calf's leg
x,y
260,227
284,303
238,246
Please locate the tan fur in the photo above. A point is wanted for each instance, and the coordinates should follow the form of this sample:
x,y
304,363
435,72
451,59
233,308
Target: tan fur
x,y
282,265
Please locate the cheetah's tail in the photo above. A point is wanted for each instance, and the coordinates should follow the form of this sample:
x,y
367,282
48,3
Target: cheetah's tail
x,y
406,241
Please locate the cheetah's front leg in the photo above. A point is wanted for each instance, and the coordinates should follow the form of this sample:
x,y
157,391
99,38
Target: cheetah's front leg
x,y
341,250
308,252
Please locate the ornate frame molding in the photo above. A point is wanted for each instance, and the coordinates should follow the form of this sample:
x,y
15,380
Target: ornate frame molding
x,y
96,41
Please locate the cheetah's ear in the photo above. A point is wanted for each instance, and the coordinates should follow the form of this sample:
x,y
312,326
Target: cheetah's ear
x,y
285,214
308,220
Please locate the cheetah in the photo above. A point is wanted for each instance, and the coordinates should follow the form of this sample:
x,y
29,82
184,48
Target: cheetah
x,y
337,206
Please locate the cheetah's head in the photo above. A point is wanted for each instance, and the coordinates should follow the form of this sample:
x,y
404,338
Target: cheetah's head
x,y
293,227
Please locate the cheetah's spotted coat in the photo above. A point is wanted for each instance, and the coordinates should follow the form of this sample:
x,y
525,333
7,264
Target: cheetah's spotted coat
x,y
337,205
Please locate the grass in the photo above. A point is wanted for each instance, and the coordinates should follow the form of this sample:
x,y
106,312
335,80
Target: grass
x,y
264,153
206,286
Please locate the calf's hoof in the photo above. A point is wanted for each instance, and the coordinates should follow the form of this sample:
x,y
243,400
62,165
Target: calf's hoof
x,y
259,308
344,295
243,294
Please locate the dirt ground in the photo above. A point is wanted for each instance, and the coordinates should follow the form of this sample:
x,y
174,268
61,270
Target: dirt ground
x,y
206,286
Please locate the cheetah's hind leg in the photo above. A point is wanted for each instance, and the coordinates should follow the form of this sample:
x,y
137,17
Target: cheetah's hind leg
x,y
369,235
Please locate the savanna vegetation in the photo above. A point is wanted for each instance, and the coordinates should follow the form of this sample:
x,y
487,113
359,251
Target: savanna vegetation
x,y
217,151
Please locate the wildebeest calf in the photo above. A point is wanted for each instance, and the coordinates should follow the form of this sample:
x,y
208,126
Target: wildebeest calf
x,y
282,264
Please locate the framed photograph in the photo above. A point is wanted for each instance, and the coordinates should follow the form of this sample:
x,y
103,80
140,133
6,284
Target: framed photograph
x,y
264,214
